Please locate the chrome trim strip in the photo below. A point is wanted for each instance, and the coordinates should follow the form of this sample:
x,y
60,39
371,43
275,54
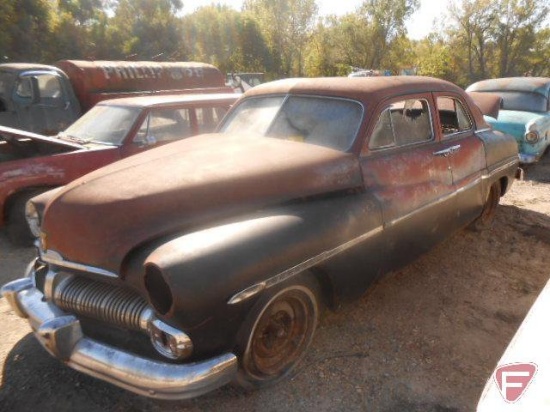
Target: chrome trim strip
x,y
260,286
501,168
300,267
487,129
55,258
62,336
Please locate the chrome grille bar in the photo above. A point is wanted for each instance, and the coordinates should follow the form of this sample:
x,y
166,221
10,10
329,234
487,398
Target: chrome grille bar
x,y
102,301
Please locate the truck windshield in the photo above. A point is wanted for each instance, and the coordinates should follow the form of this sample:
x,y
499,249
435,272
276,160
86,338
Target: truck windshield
x,y
103,124
318,120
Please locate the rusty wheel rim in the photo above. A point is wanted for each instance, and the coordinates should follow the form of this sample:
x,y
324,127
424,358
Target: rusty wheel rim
x,y
282,334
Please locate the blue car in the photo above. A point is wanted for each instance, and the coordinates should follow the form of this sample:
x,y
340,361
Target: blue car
x,y
525,112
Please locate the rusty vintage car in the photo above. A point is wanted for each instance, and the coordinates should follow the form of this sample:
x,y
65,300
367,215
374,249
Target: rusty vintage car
x,y
209,260
111,130
525,112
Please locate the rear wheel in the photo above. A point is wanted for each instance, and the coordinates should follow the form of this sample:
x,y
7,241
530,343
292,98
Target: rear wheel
x,y
277,333
485,220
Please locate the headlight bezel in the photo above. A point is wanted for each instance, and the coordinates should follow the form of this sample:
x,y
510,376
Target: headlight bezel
x,y
32,216
532,137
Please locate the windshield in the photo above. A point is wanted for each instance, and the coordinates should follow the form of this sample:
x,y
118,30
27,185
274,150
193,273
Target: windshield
x,y
103,124
523,101
323,121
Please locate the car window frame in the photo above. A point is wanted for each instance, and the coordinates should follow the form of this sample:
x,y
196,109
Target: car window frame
x,y
465,107
384,105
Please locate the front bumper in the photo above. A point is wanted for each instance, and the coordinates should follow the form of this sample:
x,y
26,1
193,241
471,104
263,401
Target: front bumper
x,y
527,158
61,335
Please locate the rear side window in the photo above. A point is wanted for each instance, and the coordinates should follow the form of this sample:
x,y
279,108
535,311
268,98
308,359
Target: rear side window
x,y
402,123
452,116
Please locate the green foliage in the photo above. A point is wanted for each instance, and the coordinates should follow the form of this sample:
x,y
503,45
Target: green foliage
x,y
495,38
282,38
286,26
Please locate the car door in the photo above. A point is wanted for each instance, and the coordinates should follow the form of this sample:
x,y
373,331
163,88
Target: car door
x,y
413,184
464,152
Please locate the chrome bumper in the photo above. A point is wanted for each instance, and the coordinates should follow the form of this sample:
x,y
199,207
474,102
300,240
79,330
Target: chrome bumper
x,y
61,335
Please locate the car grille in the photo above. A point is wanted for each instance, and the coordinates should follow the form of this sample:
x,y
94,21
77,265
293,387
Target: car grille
x,y
102,301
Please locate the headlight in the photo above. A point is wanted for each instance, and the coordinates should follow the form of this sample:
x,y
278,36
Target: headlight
x,y
532,137
33,219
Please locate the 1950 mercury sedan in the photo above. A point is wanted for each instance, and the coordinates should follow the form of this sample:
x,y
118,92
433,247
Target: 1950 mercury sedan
x,y
208,260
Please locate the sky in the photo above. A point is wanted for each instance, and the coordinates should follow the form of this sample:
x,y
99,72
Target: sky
x,y
418,26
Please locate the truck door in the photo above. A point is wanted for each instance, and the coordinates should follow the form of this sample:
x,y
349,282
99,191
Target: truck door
x,y
42,104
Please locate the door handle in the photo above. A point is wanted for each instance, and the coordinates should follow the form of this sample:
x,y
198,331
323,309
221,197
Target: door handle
x,y
448,151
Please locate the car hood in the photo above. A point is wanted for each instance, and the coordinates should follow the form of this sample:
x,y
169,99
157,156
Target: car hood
x,y
514,122
98,219
22,134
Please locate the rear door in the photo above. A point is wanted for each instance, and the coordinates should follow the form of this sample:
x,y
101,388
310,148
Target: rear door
x,y
464,152
413,184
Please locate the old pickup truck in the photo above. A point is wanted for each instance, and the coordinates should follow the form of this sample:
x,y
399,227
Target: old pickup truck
x,y
111,130
209,260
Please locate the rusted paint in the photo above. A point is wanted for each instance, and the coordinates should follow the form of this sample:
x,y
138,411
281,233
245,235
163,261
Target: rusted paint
x,y
94,81
184,185
488,103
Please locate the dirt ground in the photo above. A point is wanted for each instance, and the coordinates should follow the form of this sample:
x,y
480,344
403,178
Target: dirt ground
x,y
425,338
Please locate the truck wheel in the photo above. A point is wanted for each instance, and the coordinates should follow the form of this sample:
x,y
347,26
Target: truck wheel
x,y
17,228
277,332
485,220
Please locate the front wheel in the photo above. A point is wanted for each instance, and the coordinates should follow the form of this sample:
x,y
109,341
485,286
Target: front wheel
x,y
277,332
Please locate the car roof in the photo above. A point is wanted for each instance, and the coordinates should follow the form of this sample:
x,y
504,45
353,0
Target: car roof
x,y
171,99
368,90
24,67
359,88
540,85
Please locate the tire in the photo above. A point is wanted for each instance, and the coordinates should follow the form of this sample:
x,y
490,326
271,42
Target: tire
x,y
17,228
277,332
485,220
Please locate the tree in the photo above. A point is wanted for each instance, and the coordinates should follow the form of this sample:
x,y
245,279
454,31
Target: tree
x,y
434,58
515,33
148,29
29,30
286,26
497,38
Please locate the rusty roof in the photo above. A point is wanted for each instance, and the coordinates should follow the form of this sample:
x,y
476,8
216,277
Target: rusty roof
x,y
357,87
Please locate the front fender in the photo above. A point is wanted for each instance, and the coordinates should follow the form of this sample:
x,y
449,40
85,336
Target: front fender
x,y
206,268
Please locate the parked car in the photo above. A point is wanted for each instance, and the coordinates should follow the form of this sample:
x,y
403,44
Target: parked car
x,y
111,130
215,255
525,112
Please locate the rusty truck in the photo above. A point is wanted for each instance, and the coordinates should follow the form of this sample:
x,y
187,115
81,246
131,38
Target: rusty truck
x,y
46,99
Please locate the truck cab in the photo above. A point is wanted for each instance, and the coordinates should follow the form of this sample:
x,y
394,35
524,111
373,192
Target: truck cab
x,y
36,98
